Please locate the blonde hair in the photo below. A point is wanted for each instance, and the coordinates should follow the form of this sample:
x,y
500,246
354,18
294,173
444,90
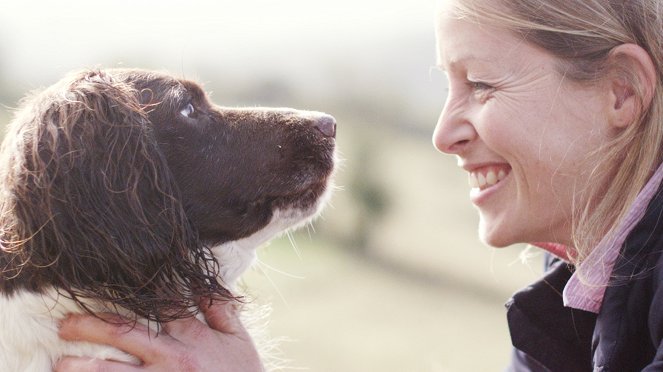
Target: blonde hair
x,y
581,34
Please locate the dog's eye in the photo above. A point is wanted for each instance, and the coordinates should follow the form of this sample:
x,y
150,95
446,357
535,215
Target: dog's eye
x,y
187,111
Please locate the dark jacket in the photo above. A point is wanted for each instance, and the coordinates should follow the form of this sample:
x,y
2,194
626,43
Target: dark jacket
x,y
627,333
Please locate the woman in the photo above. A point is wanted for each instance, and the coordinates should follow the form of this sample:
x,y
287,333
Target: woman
x,y
555,110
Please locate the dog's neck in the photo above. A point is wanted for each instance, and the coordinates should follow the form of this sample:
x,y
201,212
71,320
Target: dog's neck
x,y
238,255
236,258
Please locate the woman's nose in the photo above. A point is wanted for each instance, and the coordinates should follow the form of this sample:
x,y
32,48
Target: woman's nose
x,y
453,132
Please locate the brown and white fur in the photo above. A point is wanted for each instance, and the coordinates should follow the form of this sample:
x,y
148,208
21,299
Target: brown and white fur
x,y
128,191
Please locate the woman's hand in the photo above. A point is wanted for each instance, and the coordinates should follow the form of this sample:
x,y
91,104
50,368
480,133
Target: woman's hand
x,y
186,344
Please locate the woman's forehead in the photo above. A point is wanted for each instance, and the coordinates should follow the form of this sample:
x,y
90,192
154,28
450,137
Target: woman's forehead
x,y
460,41
466,47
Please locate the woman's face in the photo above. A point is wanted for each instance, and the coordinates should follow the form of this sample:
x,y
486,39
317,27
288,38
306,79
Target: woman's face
x,y
520,130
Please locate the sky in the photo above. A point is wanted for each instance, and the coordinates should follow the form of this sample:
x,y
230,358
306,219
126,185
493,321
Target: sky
x,y
43,39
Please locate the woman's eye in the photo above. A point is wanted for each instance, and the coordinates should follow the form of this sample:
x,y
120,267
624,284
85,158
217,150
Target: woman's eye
x,y
187,111
479,86
482,91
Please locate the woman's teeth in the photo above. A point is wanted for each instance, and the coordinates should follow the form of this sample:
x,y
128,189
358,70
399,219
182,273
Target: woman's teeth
x,y
483,180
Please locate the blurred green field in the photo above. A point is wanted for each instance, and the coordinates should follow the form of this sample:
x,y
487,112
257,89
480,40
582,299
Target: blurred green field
x,y
341,313
422,295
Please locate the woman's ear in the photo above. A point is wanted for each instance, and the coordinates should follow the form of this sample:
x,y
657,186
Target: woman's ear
x,y
632,84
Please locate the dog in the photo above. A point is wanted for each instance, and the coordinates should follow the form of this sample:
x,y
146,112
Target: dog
x,y
128,191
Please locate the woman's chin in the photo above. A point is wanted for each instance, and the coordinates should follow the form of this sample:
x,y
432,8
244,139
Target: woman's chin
x,y
495,236
495,243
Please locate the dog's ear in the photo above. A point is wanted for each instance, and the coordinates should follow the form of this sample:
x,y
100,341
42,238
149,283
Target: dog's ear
x,y
91,205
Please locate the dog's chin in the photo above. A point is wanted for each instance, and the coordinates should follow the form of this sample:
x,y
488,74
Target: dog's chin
x,y
238,255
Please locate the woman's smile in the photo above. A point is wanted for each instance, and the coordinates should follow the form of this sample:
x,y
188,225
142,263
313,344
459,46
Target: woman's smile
x,y
485,177
487,181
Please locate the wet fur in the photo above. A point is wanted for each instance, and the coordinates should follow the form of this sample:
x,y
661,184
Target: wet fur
x,y
112,200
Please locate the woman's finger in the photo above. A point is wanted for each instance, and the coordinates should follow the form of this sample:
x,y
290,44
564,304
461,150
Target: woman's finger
x,y
134,339
76,364
178,328
222,316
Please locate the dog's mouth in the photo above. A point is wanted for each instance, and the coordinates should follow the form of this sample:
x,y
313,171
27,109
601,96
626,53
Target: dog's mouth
x,y
308,196
308,187
303,198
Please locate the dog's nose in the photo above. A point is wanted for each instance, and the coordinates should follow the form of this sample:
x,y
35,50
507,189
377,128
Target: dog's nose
x,y
326,124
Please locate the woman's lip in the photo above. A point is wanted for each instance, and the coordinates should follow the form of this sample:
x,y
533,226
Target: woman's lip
x,y
473,167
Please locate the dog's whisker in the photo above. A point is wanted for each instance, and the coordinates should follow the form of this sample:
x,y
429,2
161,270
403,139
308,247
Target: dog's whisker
x,y
309,227
273,284
291,238
272,268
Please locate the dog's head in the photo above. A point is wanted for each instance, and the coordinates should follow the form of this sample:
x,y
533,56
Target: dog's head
x,y
116,184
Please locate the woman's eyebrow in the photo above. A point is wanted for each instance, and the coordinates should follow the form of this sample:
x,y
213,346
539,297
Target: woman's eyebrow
x,y
462,62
